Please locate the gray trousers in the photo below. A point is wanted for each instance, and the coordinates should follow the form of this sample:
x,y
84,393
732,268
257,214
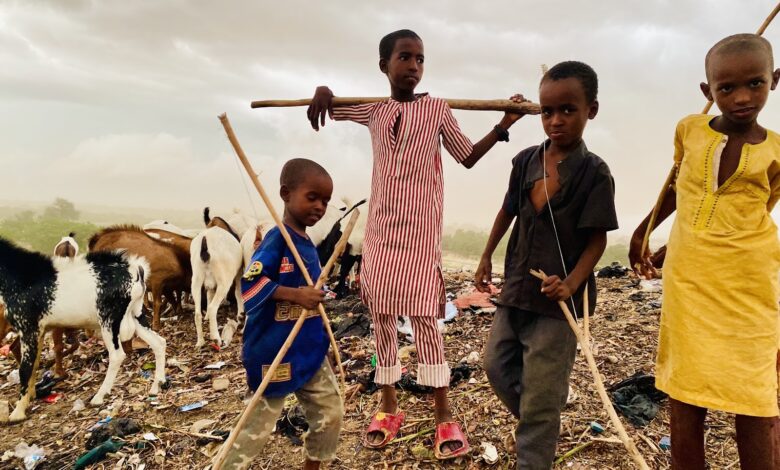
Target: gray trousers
x,y
528,360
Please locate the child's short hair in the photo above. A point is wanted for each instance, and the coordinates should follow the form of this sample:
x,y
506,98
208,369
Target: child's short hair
x,y
736,43
295,172
579,70
387,44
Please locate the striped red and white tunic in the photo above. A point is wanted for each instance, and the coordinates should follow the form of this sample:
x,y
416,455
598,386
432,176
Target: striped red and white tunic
x,y
401,272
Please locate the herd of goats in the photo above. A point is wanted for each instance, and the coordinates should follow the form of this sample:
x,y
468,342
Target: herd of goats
x,y
108,289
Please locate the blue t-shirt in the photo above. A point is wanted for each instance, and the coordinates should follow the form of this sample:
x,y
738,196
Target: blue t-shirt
x,y
269,322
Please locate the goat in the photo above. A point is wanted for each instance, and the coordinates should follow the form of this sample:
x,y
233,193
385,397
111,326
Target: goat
x,y
67,247
326,242
103,290
171,271
218,222
216,260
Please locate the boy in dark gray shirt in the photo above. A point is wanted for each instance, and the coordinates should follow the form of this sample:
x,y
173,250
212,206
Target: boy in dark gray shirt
x,y
563,198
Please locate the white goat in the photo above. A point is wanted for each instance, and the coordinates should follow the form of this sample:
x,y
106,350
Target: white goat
x,y
101,291
217,260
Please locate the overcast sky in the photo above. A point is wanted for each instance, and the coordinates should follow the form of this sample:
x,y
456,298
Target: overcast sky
x,y
116,102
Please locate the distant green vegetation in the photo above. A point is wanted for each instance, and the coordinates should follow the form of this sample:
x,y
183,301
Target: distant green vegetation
x,y
471,243
42,232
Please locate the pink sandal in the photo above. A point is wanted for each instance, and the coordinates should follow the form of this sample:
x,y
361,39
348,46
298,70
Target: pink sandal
x,y
386,424
449,432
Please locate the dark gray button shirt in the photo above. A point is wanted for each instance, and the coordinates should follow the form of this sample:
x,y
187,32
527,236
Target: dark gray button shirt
x,y
585,202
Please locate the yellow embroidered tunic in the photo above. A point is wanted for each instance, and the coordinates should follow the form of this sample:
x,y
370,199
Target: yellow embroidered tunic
x,y
719,323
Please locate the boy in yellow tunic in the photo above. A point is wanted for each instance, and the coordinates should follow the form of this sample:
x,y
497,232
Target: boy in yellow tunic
x,y
719,324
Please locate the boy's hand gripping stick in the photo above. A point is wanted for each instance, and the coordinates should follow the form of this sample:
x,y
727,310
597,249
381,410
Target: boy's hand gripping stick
x,y
585,345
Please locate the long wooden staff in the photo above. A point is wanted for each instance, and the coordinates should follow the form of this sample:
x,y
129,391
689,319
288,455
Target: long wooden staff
x,y
472,105
673,172
220,458
283,229
585,344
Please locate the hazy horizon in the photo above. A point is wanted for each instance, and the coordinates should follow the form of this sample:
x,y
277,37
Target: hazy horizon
x,y
116,103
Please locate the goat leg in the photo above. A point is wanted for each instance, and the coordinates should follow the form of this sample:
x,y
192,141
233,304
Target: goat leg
x,y
31,356
116,355
56,336
157,344
196,292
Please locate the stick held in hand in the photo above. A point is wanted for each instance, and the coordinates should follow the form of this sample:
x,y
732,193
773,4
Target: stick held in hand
x,y
471,105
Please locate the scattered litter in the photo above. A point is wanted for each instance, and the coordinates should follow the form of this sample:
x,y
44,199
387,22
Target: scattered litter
x,y
476,300
216,365
119,427
472,358
651,285
5,350
78,405
149,436
30,455
450,311
148,366
220,384
44,387
665,443
98,453
193,406
596,427
13,377
489,453
228,331
614,270
198,426
52,398
637,398
292,424
200,378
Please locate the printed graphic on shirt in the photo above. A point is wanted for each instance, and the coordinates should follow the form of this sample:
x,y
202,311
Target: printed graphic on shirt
x,y
286,266
283,372
253,270
285,311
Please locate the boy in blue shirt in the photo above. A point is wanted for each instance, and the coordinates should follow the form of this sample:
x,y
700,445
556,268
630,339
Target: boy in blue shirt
x,y
275,295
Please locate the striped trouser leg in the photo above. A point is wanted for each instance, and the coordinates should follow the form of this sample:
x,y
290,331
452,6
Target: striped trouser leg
x,y
388,368
432,369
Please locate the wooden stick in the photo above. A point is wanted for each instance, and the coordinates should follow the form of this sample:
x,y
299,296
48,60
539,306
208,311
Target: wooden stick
x,y
673,172
586,314
299,323
471,105
624,437
282,228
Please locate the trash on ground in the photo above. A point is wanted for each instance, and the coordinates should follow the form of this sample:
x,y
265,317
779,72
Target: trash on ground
x,y
216,365
193,406
98,453
32,456
637,398
489,453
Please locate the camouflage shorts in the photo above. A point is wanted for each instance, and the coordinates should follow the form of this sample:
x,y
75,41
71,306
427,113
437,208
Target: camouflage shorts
x,y
324,411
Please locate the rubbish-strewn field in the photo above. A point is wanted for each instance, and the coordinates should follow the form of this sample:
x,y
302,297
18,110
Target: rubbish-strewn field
x,y
624,333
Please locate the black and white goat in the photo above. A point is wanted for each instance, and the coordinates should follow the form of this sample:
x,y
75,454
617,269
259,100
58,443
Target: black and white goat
x,y
102,291
326,235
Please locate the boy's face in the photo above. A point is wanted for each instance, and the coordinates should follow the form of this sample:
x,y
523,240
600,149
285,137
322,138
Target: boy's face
x,y
739,83
307,203
565,111
405,67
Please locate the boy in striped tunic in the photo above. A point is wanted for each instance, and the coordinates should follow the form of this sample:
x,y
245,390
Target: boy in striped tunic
x,y
401,273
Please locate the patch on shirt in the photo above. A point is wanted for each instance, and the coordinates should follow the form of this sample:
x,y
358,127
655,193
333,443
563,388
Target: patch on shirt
x,y
285,311
286,266
253,270
283,372
252,291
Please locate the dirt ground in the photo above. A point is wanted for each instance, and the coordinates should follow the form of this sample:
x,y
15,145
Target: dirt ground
x,y
624,332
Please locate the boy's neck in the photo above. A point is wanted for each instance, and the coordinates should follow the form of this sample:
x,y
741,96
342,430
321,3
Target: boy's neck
x,y
750,131
562,152
296,226
402,95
